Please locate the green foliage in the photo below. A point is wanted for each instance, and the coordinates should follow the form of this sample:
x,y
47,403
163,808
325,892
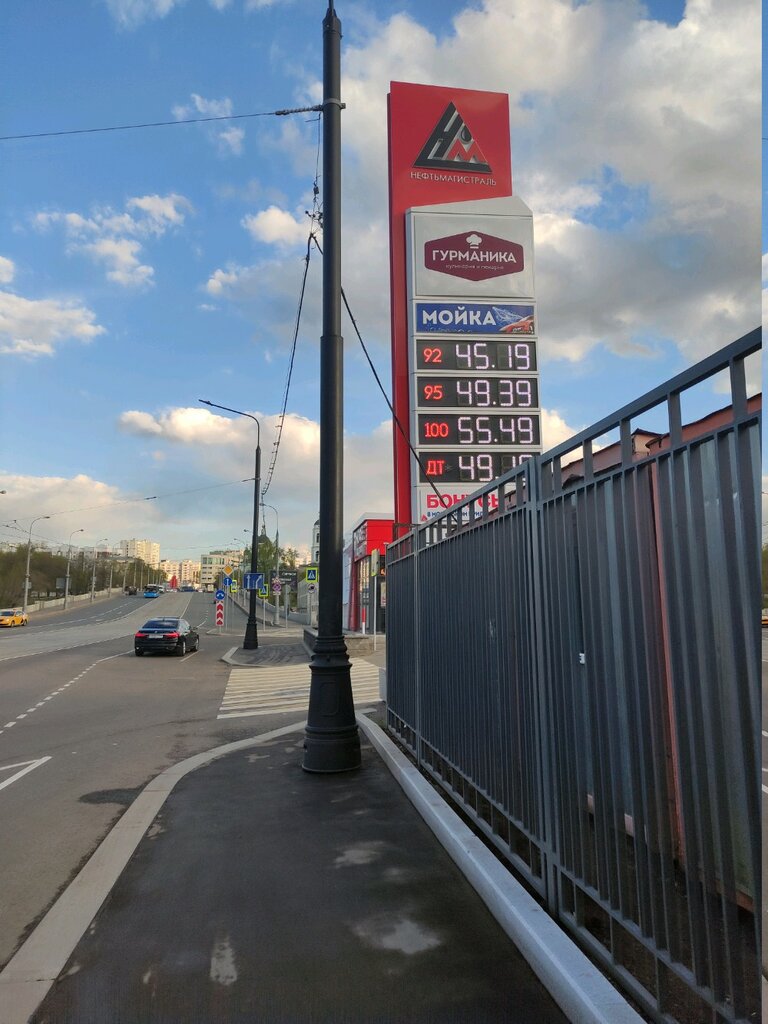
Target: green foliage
x,y
46,568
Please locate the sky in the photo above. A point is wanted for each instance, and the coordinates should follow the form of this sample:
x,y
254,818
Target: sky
x,y
142,270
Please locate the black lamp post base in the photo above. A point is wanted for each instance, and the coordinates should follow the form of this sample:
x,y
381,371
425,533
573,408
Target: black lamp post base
x,y
251,640
331,737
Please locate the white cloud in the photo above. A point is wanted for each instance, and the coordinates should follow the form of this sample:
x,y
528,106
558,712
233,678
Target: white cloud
x,y
131,13
112,237
229,140
119,254
635,143
276,226
33,327
7,270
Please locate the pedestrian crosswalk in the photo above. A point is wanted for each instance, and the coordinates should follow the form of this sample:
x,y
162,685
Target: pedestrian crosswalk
x,y
270,691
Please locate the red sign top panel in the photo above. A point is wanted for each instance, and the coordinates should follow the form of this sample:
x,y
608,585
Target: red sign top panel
x,y
447,145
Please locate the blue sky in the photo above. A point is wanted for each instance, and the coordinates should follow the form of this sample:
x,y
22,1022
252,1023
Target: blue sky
x,y
141,270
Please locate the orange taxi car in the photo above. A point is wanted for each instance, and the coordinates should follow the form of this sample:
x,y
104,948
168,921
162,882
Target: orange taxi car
x,y
13,617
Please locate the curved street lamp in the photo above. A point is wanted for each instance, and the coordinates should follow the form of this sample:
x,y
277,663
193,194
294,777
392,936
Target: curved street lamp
x,y
251,639
29,553
69,559
265,504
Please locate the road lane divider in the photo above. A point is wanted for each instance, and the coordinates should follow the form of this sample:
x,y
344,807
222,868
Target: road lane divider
x,y
61,689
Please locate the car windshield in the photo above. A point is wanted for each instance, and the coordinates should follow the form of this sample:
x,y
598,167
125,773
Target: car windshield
x,y
8,611
161,624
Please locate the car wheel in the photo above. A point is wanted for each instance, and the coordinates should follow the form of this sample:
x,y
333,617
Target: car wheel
x,y
138,653
181,650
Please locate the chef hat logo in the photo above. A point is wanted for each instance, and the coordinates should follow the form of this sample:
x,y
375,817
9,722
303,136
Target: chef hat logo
x,y
474,240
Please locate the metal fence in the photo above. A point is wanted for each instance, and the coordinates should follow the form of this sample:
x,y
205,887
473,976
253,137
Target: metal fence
x,y
573,655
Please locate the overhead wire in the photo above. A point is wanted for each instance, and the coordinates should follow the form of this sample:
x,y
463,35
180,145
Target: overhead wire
x,y
159,124
315,218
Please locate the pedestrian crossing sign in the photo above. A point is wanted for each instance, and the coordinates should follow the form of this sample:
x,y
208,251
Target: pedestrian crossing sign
x,y
312,574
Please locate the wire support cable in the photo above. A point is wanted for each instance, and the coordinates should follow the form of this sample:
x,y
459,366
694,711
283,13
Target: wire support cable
x,y
376,377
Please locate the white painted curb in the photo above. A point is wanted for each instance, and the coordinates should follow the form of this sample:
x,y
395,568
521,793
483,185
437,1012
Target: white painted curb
x,y
583,994
27,977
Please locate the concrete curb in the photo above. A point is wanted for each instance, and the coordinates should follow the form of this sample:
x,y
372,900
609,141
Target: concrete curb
x,y
583,994
28,976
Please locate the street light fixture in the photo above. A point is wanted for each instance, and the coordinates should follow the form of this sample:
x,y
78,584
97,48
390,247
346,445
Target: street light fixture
x,y
29,553
69,559
251,639
331,737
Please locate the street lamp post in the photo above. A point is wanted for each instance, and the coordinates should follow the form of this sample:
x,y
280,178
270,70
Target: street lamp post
x,y
69,559
29,554
332,740
251,639
95,560
277,557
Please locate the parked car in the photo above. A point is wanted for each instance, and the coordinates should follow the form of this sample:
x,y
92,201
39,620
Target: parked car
x,y
13,617
169,635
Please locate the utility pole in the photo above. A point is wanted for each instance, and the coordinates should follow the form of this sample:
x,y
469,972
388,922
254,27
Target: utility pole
x,y
332,741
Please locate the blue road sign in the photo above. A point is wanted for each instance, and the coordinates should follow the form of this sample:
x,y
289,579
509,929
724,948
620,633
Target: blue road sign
x,y
219,595
312,574
227,581
253,581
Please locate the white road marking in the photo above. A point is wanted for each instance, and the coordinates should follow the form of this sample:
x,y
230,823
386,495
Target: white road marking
x,y
26,766
29,711
269,691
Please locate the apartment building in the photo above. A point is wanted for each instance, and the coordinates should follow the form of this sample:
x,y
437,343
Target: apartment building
x,y
212,565
186,571
147,550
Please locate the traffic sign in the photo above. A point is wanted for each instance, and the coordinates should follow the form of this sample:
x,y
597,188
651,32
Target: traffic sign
x,y
253,580
227,581
219,613
276,586
233,588
313,575
227,570
220,595
311,587
263,591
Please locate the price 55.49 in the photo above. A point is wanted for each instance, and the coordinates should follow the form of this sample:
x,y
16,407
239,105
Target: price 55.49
x,y
480,431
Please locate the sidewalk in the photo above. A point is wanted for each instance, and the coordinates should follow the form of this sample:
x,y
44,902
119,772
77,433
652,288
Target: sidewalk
x,y
238,889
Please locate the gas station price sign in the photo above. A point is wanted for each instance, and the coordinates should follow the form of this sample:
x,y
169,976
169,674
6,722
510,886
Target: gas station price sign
x,y
514,356
480,431
474,468
477,392
473,373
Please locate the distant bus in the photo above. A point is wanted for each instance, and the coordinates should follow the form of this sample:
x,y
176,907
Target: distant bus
x,y
152,590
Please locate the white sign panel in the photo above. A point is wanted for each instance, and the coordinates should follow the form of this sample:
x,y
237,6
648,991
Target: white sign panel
x,y
477,254
474,382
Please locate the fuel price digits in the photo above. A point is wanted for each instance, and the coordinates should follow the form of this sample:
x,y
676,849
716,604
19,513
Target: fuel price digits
x,y
479,392
479,431
512,356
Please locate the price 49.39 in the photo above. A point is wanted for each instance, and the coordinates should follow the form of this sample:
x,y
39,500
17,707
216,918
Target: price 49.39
x,y
480,431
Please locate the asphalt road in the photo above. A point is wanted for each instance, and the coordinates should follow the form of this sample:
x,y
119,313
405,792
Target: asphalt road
x,y
84,725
